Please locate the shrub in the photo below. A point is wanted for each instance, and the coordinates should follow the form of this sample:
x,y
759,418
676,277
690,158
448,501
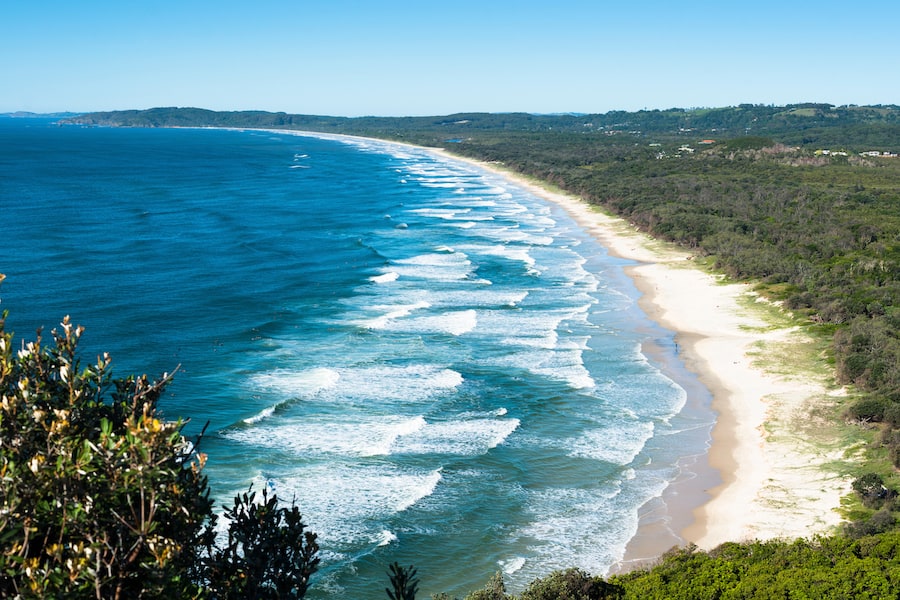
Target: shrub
x,y
102,499
404,583
872,490
98,499
269,554
868,409
571,584
494,590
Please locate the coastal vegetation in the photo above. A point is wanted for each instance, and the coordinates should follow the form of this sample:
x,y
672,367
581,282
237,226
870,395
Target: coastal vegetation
x,y
802,200
102,498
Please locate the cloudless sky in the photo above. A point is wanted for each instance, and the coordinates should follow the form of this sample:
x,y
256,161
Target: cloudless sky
x,y
435,57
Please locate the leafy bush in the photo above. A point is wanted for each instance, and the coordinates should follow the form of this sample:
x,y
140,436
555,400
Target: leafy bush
x,y
872,490
102,499
571,584
829,568
404,583
494,590
868,409
97,498
269,554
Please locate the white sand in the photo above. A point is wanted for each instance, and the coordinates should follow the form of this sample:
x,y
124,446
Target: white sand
x,y
775,481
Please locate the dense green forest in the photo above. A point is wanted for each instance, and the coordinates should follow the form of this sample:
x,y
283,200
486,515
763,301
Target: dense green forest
x,y
803,200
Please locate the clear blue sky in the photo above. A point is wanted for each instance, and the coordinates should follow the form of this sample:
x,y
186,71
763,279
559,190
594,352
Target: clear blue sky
x,y
424,57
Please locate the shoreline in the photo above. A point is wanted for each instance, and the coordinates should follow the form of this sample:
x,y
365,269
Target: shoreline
x,y
765,474
759,479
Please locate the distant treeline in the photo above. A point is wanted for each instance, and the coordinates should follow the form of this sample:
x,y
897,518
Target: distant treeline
x,y
792,197
822,124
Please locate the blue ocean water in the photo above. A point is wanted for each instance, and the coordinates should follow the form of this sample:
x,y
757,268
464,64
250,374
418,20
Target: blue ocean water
x,y
441,368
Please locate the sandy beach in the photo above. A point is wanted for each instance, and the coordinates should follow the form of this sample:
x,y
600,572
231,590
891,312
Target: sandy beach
x,y
766,474
771,464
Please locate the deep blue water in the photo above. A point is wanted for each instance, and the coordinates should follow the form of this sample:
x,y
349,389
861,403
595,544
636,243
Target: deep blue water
x,y
441,368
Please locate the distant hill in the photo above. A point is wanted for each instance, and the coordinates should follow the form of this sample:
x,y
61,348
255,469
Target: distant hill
x,y
21,114
801,124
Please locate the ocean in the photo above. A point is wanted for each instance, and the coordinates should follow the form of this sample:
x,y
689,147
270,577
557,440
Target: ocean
x,y
440,368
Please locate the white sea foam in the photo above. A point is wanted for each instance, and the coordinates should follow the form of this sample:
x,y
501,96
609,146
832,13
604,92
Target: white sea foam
x,y
521,327
507,234
347,504
363,384
479,297
573,528
499,412
477,202
385,277
442,259
426,487
454,323
562,365
386,383
437,184
385,538
583,527
352,435
441,266
263,414
392,433
619,443
663,401
575,375
441,213
511,565
470,437
513,210
297,383
511,252
361,436
392,312
480,218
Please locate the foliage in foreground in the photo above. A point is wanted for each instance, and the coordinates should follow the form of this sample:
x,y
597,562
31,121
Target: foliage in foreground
x,y
102,499
404,583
